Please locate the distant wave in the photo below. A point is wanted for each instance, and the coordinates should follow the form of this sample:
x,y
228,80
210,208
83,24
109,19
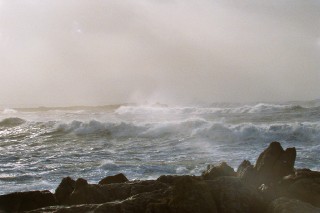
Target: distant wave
x,y
197,128
11,122
242,109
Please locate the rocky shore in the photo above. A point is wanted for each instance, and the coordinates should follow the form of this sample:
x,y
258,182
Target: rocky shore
x,y
271,185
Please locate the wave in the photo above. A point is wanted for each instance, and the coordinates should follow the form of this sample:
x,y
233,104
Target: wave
x,y
197,128
9,111
11,122
240,109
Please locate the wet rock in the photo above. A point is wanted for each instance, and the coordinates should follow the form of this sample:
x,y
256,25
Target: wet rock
x,y
275,163
64,190
287,205
214,171
25,201
119,178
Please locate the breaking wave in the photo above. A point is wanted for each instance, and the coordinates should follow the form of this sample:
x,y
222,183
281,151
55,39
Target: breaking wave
x,y
11,122
197,128
243,109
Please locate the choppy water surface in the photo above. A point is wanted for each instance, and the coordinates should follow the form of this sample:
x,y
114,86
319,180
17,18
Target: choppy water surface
x,y
38,147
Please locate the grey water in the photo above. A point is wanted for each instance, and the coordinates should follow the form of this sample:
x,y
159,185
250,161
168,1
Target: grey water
x,y
40,146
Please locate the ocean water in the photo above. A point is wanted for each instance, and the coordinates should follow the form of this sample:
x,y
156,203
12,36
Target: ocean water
x,y
40,146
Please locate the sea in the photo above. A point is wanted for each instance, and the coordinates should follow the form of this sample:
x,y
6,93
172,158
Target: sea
x,y
40,146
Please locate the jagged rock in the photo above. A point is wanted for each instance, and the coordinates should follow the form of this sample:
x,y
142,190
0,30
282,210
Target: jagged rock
x,y
275,163
287,205
64,190
25,201
233,195
247,173
214,171
242,168
119,178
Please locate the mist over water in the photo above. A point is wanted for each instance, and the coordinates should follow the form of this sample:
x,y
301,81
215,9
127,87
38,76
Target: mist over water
x,y
77,52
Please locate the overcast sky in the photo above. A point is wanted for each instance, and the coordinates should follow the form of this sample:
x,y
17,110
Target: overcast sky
x,y
93,52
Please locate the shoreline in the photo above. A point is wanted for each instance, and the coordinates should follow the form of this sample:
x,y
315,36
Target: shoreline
x,y
271,185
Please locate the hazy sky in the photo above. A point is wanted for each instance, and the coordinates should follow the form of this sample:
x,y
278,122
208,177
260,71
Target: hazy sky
x,y
92,52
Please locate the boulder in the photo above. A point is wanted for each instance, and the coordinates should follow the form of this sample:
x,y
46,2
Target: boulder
x,y
218,170
275,163
247,173
119,178
287,205
26,201
64,190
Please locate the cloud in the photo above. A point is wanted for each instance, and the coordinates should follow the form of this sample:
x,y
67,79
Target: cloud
x,y
100,52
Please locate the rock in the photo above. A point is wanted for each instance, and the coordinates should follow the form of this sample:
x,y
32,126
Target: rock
x,y
96,193
304,185
189,195
287,205
306,189
275,163
242,167
171,179
64,190
119,178
232,195
247,173
214,171
26,201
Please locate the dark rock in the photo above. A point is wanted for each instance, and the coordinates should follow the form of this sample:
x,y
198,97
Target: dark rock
x,y
191,196
303,185
275,163
25,201
287,205
214,171
119,178
242,167
171,179
300,174
96,193
232,195
307,190
64,190
247,173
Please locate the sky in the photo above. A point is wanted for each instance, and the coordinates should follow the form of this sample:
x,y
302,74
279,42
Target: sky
x,y
85,52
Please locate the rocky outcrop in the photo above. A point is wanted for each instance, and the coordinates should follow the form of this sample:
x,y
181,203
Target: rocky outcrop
x,y
119,178
272,185
24,201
